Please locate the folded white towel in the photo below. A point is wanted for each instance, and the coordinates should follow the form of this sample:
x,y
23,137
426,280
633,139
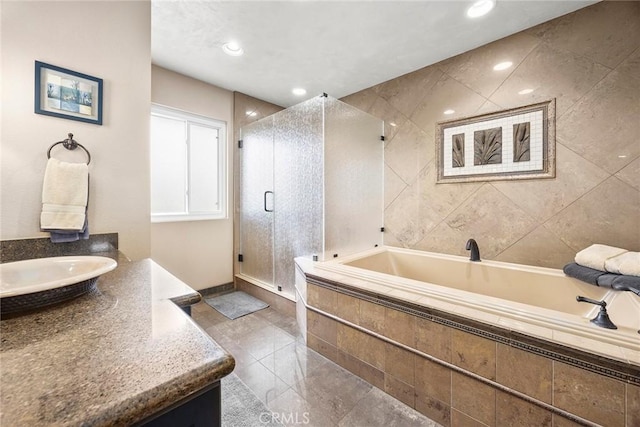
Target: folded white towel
x,y
65,192
627,263
595,256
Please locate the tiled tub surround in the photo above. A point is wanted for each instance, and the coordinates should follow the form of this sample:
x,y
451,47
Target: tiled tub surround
x,y
462,366
111,357
589,61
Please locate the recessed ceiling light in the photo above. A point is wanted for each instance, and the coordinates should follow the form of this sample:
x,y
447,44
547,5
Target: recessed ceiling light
x,y
392,124
299,91
251,113
447,112
232,48
503,65
622,156
480,8
525,91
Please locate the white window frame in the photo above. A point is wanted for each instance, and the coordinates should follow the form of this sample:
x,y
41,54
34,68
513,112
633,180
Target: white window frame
x,y
221,126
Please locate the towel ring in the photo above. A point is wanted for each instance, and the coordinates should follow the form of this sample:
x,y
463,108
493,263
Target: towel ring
x,y
70,144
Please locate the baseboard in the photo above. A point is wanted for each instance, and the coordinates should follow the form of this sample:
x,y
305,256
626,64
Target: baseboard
x,y
218,289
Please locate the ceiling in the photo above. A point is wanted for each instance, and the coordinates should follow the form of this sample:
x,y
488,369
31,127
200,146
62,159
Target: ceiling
x,y
337,47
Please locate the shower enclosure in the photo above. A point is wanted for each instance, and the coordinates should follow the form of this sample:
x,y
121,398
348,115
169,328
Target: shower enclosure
x,y
311,185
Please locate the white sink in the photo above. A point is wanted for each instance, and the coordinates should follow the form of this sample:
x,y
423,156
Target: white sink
x,y
42,274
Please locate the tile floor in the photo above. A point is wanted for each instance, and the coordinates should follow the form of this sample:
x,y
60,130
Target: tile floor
x,y
295,381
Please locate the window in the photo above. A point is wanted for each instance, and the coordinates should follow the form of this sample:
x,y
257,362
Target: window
x,y
188,159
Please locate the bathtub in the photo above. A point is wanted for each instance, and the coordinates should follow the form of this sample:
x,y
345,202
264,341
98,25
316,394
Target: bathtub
x,y
536,301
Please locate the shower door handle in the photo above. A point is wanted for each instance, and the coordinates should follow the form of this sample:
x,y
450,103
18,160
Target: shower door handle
x,y
265,201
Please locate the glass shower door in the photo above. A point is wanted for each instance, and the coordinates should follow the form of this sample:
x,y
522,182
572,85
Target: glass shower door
x,y
298,188
256,201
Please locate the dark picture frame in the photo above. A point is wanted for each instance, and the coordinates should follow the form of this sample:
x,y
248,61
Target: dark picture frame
x,y
67,94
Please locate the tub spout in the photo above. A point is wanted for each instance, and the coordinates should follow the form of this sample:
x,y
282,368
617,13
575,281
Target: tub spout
x,y
475,251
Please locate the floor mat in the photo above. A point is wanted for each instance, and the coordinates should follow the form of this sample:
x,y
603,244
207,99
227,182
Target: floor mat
x,y
241,408
236,304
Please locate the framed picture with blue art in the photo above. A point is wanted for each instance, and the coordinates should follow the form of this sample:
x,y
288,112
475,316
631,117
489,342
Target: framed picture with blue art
x,y
67,94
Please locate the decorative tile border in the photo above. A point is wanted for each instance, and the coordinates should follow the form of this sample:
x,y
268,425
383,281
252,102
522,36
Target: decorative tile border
x,y
512,144
618,370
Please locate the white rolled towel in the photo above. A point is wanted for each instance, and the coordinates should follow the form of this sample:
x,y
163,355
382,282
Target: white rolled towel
x,y
596,255
627,263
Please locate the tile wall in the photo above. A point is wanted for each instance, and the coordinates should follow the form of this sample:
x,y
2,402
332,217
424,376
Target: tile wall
x,y
447,384
589,61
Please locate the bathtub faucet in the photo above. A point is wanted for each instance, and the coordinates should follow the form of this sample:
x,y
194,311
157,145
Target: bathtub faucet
x,y
473,247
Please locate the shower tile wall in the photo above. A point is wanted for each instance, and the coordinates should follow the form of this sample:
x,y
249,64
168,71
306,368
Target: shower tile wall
x,y
589,61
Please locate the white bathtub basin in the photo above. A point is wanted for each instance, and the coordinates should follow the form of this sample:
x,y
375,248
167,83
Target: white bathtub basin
x,y
532,300
42,274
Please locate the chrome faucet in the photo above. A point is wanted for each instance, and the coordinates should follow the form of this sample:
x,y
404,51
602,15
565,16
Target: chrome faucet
x,y
473,247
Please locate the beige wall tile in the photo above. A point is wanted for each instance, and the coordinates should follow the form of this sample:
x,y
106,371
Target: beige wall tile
x,y
511,411
631,174
409,217
594,397
409,151
443,199
478,217
322,327
362,346
552,73
475,68
608,215
362,100
633,406
406,92
365,371
435,409
372,375
324,348
446,94
603,125
400,390
631,65
322,298
433,339
371,316
546,197
399,326
527,250
473,353
473,398
393,119
349,362
432,381
400,363
348,308
458,419
393,186
534,381
605,32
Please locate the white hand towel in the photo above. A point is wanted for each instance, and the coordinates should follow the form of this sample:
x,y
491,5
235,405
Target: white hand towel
x,y
65,192
627,263
595,256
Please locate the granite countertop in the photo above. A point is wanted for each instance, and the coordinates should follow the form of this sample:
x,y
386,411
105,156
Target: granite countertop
x,y
114,356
